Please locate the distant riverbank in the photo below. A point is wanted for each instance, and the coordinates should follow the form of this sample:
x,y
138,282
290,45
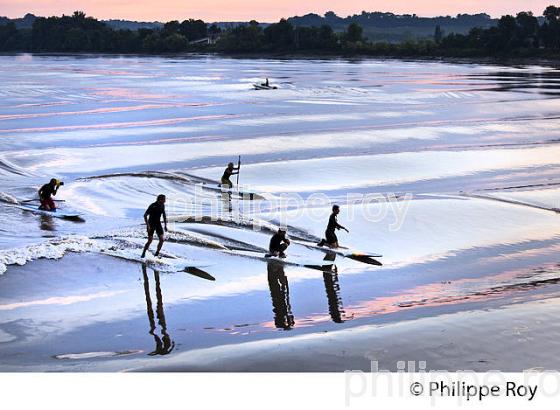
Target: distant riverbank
x,y
523,36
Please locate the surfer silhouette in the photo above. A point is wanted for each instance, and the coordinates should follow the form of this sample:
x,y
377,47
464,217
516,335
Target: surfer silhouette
x,y
152,218
331,239
46,192
278,244
228,172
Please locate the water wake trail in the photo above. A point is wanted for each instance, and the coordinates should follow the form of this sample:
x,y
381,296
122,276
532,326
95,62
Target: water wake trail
x,y
510,201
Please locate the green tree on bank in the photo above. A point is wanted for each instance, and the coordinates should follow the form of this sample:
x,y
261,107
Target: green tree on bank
x,y
520,35
550,31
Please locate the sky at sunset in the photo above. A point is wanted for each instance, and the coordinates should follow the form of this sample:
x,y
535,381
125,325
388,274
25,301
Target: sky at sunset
x,y
262,10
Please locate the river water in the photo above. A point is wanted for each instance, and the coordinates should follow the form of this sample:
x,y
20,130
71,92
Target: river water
x,y
450,171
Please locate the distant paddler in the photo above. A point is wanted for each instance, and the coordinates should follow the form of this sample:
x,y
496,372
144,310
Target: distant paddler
x,y
152,218
229,171
330,235
264,86
46,192
278,244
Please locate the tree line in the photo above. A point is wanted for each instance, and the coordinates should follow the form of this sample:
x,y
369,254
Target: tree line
x,y
80,33
385,19
520,35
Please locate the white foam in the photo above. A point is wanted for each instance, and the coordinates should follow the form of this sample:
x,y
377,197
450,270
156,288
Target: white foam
x,y
5,197
52,249
94,355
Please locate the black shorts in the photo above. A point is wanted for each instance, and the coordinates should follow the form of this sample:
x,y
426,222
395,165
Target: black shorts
x,y
330,236
155,227
280,248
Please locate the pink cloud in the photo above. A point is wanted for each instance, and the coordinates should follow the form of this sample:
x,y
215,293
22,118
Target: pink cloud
x,y
262,10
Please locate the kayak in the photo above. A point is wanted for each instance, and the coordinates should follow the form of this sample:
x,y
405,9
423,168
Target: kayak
x,y
264,87
166,263
59,213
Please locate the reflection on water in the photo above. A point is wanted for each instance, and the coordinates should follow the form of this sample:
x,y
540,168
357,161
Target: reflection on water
x,y
164,344
542,82
46,223
332,287
429,128
280,294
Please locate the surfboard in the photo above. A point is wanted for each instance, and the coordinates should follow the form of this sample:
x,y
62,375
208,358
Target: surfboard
x,y
243,194
368,259
341,250
295,261
200,273
364,257
59,213
290,260
165,263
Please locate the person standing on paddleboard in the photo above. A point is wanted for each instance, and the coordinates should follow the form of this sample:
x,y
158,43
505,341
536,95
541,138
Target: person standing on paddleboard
x,y
330,236
229,171
152,217
46,193
278,244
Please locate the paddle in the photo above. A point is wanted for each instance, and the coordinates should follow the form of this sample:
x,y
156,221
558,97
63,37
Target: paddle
x,y
238,170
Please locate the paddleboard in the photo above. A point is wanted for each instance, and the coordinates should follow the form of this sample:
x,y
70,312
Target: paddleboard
x,y
59,213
